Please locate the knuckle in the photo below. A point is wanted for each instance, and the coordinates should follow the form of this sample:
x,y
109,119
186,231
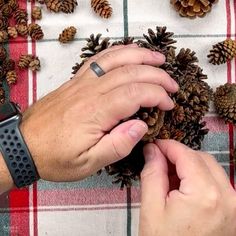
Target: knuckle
x,y
132,90
130,70
212,198
109,56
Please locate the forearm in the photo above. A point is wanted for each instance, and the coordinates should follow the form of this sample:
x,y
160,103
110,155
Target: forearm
x,y
6,182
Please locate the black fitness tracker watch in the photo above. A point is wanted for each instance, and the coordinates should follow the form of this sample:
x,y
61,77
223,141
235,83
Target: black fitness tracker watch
x,y
13,147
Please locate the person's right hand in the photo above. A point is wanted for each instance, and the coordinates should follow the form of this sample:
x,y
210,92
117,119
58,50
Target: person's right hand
x,y
203,205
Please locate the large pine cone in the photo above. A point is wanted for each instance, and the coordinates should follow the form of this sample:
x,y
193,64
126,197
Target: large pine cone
x,y
183,123
193,8
67,34
102,8
225,102
222,52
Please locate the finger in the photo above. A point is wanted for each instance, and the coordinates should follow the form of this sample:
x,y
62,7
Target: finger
x,y
137,74
100,54
217,171
154,179
116,145
191,169
126,56
124,101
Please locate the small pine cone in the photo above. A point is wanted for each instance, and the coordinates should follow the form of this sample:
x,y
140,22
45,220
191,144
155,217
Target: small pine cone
x,y
11,77
193,8
25,60
12,32
6,10
14,4
53,5
2,95
67,34
68,6
3,36
8,65
102,8
3,53
21,16
3,23
22,29
2,74
34,65
35,31
37,13
222,52
225,102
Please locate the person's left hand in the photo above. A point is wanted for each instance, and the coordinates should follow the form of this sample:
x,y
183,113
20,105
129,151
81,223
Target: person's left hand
x,y
73,131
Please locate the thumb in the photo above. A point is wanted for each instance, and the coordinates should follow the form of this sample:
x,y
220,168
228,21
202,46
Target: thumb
x,y
117,144
154,180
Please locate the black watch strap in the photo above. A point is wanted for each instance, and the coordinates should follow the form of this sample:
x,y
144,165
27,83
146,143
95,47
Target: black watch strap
x,y
16,153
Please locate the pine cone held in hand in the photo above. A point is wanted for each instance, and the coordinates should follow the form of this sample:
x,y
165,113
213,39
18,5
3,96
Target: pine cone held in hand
x,y
222,52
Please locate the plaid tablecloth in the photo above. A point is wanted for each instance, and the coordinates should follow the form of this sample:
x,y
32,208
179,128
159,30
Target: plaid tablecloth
x,y
95,206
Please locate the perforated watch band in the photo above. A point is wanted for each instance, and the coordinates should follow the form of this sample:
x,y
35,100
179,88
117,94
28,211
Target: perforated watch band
x,y
16,153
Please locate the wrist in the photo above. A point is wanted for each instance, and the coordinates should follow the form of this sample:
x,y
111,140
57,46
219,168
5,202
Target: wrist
x,y
6,182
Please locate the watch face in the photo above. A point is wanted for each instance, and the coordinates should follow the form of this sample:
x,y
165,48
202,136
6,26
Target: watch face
x,y
7,110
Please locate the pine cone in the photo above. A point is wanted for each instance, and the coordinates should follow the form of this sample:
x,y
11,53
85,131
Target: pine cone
x,y
6,10
8,65
102,8
160,41
3,54
94,45
193,8
11,77
2,74
21,16
37,13
25,60
12,32
154,118
68,6
225,102
67,34
34,65
3,36
22,29
2,95
222,52
13,4
53,5
183,123
3,23
35,31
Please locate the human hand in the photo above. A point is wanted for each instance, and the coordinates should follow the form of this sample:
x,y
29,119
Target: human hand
x,y
73,131
204,204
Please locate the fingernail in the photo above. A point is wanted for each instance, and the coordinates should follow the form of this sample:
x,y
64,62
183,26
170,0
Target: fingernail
x,y
137,131
159,56
149,153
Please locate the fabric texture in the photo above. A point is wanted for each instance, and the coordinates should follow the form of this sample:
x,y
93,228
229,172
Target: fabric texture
x,y
95,206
